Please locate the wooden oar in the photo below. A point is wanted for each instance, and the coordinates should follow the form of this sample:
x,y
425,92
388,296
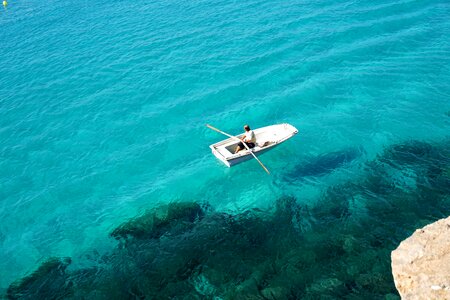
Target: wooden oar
x,y
233,137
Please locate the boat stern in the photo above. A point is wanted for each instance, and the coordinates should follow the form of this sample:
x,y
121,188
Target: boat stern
x,y
219,155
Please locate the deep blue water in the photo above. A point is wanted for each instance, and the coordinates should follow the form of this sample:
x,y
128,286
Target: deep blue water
x,y
103,107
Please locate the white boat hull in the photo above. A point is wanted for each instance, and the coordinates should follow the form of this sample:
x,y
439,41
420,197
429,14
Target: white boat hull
x,y
266,138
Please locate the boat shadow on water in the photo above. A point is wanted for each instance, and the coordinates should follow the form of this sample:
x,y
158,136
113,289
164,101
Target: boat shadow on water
x,y
324,164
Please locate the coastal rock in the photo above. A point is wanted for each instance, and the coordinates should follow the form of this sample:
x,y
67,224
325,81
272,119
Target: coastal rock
x,y
421,263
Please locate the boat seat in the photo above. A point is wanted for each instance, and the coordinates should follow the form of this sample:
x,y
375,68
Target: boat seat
x,y
264,144
223,151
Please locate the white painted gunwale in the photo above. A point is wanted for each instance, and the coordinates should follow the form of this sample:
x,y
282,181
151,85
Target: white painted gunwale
x,y
276,134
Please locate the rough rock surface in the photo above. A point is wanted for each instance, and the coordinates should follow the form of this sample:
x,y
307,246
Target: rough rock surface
x,y
421,263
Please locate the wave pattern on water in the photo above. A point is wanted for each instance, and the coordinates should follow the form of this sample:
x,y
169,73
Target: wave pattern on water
x,y
103,106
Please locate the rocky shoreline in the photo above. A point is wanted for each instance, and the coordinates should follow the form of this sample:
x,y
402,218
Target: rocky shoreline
x,y
421,263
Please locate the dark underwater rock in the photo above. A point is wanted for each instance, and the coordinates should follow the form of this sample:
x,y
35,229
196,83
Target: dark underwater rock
x,y
414,153
336,202
49,281
275,292
391,297
336,248
155,223
85,283
324,286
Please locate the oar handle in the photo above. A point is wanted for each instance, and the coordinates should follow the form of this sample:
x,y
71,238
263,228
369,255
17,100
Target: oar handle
x,y
220,131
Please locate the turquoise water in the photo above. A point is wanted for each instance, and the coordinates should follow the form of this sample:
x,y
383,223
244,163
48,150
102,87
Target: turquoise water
x,y
103,107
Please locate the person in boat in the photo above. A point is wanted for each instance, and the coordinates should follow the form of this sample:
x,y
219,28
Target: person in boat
x,y
248,138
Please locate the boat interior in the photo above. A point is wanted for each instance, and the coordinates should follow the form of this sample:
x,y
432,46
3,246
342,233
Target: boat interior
x,y
260,143
232,147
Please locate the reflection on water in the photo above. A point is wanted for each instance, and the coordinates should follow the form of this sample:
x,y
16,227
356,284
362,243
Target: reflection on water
x,y
338,248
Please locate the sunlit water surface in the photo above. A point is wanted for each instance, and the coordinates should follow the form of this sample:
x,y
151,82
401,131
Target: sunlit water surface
x,y
103,107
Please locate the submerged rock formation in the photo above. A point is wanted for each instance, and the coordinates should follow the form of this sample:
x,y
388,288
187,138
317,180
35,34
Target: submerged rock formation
x,y
49,281
153,224
421,263
336,248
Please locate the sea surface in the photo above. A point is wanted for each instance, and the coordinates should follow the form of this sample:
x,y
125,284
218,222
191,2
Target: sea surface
x,y
103,106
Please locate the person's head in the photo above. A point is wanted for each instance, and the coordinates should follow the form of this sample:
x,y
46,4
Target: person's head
x,y
247,128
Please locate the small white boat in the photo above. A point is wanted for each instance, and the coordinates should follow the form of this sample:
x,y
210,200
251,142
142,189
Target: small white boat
x,y
266,138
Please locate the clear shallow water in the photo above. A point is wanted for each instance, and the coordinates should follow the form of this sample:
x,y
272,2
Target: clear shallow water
x,y
103,106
